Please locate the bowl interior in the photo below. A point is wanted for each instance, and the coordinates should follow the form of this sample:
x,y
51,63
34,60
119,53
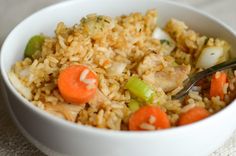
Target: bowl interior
x,y
71,12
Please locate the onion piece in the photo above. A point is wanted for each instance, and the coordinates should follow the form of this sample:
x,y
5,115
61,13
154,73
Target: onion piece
x,y
117,68
160,34
209,57
25,91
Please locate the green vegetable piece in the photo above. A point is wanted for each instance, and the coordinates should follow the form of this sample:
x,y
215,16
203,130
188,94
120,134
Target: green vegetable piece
x,y
133,105
175,64
139,89
165,41
34,45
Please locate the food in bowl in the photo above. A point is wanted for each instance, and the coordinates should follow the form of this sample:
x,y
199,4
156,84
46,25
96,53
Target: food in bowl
x,y
120,73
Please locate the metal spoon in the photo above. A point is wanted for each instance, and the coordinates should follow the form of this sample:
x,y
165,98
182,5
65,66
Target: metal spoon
x,y
189,83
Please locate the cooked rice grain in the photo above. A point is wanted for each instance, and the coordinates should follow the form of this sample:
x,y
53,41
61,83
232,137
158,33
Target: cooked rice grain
x,y
116,49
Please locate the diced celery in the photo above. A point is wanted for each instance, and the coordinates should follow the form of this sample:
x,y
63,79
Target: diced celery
x,y
34,45
139,89
133,105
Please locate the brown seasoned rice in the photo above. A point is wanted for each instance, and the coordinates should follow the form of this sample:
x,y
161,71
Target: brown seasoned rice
x,y
116,49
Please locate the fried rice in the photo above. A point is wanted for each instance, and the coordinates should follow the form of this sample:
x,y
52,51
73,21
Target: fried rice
x,y
117,49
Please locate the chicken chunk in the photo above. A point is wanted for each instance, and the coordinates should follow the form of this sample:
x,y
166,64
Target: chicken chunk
x,y
168,80
150,61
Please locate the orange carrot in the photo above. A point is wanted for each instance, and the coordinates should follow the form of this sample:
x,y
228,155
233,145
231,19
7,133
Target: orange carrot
x,y
217,85
193,115
143,115
77,84
106,62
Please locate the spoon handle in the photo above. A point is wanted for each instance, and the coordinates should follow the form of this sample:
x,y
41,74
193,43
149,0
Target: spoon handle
x,y
222,66
188,84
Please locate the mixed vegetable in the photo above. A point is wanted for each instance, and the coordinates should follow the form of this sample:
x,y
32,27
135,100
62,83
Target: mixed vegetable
x,y
34,46
193,115
150,117
77,84
140,89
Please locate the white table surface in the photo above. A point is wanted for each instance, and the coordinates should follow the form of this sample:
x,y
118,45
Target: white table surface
x,y
13,11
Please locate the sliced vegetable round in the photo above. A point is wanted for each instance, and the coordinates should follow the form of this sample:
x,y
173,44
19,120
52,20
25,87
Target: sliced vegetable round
x,y
34,45
77,84
145,114
193,115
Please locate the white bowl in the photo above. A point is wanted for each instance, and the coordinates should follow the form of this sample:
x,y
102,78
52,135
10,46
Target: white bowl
x,y
50,133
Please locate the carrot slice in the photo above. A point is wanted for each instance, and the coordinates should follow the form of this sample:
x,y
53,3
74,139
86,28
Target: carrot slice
x,y
193,115
143,116
75,83
217,85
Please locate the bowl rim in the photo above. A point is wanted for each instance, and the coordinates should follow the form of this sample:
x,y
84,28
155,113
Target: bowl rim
x,y
99,131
